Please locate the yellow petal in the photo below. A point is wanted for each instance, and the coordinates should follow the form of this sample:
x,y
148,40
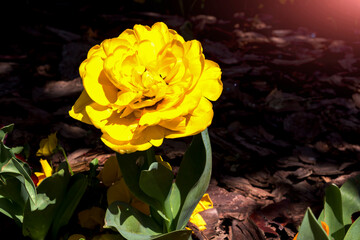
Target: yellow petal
x,y
111,172
121,129
118,192
96,84
176,124
78,110
186,106
53,142
124,147
162,162
210,81
198,221
147,52
128,35
152,134
46,168
197,121
98,114
204,204
40,176
96,50
109,45
196,59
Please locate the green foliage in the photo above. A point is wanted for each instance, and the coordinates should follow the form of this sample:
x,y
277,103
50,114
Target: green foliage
x,y
339,205
38,210
171,202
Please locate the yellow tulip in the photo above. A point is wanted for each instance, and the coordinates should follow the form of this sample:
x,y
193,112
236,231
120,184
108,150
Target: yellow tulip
x,y
145,85
47,145
195,218
46,171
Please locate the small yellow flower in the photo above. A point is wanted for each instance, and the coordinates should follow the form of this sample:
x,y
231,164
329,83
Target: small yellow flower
x,y
204,204
47,145
46,171
145,85
91,218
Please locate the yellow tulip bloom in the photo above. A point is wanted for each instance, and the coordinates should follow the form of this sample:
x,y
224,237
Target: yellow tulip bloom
x,y
145,85
204,204
46,171
47,145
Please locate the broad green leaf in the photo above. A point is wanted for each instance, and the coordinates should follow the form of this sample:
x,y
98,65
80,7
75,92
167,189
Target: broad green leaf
x,y
333,215
130,223
156,183
174,200
11,209
193,177
17,150
12,188
310,229
131,166
350,193
76,189
354,231
174,235
321,217
5,130
38,216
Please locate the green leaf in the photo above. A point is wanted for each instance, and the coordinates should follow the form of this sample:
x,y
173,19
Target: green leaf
x,y
38,216
156,182
5,130
174,235
130,223
12,188
193,177
10,166
354,231
131,166
77,186
350,193
93,166
310,229
17,150
11,209
333,215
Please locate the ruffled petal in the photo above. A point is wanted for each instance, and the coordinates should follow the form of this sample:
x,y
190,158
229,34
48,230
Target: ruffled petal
x,y
210,82
96,84
124,147
78,110
198,121
98,114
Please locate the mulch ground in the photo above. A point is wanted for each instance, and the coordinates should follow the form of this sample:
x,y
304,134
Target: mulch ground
x,y
286,125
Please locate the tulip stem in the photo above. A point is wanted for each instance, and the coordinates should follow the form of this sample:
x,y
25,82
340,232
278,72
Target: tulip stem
x,y
70,170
